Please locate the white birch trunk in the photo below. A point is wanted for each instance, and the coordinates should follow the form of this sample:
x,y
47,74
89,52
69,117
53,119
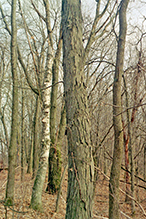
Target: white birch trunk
x,y
36,200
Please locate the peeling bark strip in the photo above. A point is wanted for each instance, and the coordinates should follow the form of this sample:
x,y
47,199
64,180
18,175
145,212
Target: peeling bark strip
x,y
81,168
117,119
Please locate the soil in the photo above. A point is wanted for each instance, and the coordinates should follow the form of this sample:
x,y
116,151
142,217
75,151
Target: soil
x,y
23,192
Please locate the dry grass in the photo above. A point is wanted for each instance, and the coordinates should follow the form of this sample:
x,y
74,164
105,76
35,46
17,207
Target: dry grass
x,y
23,197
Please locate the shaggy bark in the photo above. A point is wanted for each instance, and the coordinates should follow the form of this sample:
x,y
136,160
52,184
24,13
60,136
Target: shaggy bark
x,y
80,160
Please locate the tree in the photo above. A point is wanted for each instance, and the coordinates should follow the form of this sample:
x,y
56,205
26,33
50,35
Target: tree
x,y
54,174
43,89
117,118
144,162
30,158
22,137
36,137
13,140
36,199
80,160
4,137
76,51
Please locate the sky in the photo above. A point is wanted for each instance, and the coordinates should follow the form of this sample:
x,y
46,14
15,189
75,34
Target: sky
x,y
136,9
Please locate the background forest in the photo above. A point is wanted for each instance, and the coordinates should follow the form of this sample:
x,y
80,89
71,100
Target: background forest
x,y
72,97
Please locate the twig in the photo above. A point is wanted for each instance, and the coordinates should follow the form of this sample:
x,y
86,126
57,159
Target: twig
x,y
143,187
134,175
20,212
100,217
52,85
102,140
39,14
144,213
4,183
63,199
125,215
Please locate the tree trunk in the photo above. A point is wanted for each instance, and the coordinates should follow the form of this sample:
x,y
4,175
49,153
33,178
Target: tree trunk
x,y
36,199
137,181
105,164
80,160
22,139
127,199
55,164
36,137
14,125
2,73
30,147
131,152
131,143
117,119
30,155
126,143
145,161
54,174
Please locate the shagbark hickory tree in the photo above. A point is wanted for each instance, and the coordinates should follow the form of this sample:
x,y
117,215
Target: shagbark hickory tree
x,y
80,160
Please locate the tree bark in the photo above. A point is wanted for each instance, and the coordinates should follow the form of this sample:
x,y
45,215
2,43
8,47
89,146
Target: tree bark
x,y
126,142
144,162
54,174
36,137
117,119
36,199
55,161
30,155
31,136
2,73
22,138
131,143
80,160
14,125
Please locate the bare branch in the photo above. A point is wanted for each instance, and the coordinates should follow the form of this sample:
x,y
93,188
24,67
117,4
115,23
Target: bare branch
x,y
35,90
39,14
96,20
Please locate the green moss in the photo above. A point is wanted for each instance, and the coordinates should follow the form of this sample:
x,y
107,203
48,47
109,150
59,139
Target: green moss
x,y
54,171
9,202
37,207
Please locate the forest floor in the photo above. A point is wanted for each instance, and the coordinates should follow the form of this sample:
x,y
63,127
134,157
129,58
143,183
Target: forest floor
x,y
23,197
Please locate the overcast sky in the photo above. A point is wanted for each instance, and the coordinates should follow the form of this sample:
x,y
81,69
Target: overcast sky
x,y
136,10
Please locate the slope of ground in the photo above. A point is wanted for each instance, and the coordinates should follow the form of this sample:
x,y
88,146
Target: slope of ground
x,y
23,197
